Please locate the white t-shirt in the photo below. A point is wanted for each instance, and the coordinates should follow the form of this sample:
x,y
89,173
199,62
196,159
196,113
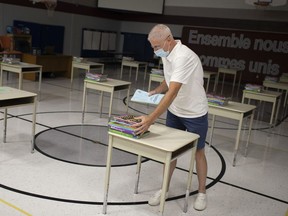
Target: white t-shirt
x,y
183,66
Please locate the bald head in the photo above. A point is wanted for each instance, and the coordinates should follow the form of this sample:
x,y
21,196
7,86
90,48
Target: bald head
x,y
159,32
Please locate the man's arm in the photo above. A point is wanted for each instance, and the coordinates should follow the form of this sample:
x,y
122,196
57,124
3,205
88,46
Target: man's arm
x,y
161,89
170,95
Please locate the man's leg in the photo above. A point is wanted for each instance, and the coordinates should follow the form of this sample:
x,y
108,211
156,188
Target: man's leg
x,y
201,168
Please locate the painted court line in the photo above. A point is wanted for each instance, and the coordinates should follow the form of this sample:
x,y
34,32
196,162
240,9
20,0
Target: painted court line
x,y
15,207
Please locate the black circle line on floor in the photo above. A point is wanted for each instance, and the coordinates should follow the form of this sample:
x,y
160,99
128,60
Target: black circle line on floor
x,y
217,179
80,137
214,181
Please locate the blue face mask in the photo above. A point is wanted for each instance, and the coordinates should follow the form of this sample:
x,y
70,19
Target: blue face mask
x,y
161,53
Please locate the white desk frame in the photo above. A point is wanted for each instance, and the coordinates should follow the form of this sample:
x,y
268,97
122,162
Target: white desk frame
x,y
279,86
236,111
155,78
164,145
110,86
268,96
135,64
88,66
231,72
11,97
21,69
208,75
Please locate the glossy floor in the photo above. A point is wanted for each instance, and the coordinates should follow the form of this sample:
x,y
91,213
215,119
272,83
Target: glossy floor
x,y
65,174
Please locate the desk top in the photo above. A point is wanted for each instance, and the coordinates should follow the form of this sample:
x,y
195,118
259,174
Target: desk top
x,y
234,106
110,82
128,62
87,63
164,138
263,93
20,65
276,85
209,73
7,93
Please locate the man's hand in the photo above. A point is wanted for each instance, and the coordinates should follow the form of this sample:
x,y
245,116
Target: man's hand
x,y
144,125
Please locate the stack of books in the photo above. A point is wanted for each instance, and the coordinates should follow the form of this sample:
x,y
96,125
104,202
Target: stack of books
x,y
217,100
96,77
253,87
284,78
271,79
157,71
123,125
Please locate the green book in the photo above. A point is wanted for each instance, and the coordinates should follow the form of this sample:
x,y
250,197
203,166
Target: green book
x,y
128,135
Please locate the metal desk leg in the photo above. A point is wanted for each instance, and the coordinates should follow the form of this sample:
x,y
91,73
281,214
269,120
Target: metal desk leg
x,y
223,80
33,126
272,113
165,183
107,176
149,85
121,71
137,174
130,69
127,101
101,103
84,102
207,86
111,103
234,81
5,125
216,82
40,82
20,81
237,140
145,71
1,77
277,110
212,130
72,77
189,180
137,70
249,133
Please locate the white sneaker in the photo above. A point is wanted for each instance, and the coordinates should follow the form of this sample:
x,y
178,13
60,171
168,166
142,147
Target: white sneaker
x,y
155,199
200,202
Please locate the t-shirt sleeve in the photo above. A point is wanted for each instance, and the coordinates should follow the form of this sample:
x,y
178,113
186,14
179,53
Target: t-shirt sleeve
x,y
182,70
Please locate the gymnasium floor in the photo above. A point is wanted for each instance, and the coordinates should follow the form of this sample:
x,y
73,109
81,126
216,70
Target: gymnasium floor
x,y
65,174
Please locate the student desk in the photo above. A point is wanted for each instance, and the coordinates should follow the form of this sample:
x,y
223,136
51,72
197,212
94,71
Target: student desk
x,y
11,97
233,72
88,66
236,111
135,64
208,75
279,86
162,144
22,68
268,96
155,78
111,85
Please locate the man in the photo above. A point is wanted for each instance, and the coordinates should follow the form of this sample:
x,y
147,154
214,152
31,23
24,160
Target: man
x,y
185,99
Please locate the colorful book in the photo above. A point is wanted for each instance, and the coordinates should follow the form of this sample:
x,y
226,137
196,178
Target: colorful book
x,y
123,125
128,135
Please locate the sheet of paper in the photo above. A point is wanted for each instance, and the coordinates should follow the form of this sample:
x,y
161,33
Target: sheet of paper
x,y
143,97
